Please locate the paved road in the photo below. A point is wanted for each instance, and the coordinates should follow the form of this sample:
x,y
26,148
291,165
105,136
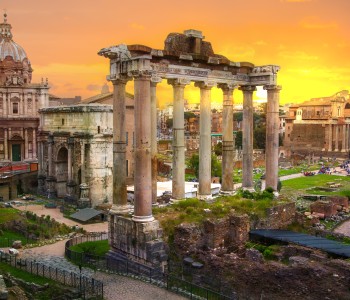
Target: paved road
x,y
115,287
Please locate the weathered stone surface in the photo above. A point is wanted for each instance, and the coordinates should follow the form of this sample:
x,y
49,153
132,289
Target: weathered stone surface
x,y
140,241
17,244
325,207
254,255
3,289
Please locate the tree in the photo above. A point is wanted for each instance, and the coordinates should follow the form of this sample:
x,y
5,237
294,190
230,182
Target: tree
x,y
216,169
218,149
260,137
239,138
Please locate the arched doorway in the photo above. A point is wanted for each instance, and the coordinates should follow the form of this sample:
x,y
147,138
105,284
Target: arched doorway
x,y
61,171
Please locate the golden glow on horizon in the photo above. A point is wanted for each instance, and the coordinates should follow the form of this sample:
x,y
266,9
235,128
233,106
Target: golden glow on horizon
x,y
308,38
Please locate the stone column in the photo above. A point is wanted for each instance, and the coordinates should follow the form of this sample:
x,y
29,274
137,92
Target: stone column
x,y
330,138
154,149
120,204
6,150
41,172
247,145
34,143
228,144
178,182
5,111
51,191
336,138
347,137
26,146
143,168
70,185
272,124
204,187
343,140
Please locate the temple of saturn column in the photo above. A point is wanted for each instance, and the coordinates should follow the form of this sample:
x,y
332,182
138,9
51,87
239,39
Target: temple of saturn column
x,y
185,58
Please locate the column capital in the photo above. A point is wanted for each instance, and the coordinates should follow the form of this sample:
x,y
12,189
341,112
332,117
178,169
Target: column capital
x,y
120,79
50,139
70,141
206,85
227,86
155,79
179,82
248,88
142,74
275,87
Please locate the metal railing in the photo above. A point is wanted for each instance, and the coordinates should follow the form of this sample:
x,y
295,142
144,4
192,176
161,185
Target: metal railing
x,y
139,271
88,287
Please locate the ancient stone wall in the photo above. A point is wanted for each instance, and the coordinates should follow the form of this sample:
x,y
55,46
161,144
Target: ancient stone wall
x,y
277,217
308,137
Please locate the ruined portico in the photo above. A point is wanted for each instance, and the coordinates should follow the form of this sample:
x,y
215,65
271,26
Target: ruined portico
x,y
185,58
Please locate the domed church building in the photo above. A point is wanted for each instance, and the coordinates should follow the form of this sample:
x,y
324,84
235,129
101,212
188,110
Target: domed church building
x,y
20,100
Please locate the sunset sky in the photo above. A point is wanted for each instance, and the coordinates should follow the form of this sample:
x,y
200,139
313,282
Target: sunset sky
x,y
309,39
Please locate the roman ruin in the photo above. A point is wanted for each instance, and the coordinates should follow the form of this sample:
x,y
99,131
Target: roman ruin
x,y
185,58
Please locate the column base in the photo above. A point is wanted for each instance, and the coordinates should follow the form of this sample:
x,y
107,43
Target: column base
x,y
120,209
249,189
205,197
143,219
84,203
173,200
323,149
228,193
134,242
343,150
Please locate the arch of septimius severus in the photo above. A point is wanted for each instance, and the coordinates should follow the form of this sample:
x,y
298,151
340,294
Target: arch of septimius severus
x,y
186,58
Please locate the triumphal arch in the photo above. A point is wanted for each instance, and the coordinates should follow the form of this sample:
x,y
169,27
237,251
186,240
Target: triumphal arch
x,y
185,58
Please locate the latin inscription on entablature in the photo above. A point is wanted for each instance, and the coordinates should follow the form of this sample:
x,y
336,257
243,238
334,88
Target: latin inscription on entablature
x,y
179,70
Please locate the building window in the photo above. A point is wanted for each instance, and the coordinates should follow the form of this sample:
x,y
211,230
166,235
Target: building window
x,y
127,168
15,108
62,121
98,129
127,138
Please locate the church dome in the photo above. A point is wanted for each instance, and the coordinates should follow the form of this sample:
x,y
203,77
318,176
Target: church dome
x,y
14,64
7,46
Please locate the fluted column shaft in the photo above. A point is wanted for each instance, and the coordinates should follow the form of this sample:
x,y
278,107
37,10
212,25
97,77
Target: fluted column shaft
x,y
70,154
49,154
336,138
34,148
247,145
119,148
6,144
343,140
272,125
330,138
228,145
143,169
26,144
154,149
204,186
178,181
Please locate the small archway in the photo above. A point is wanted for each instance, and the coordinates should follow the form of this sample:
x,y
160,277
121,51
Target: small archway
x,y
61,168
16,147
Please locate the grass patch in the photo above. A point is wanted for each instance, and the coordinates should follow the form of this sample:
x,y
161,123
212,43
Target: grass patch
x,y
307,184
97,248
8,214
26,276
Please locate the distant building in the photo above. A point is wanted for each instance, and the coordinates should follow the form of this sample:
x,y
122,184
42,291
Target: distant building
x,y
320,126
20,100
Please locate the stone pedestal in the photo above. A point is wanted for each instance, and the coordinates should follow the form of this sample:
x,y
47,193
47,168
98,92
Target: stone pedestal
x,y
51,192
41,185
70,197
84,200
136,241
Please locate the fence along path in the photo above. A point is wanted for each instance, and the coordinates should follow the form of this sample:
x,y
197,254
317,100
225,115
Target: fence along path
x,y
88,286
